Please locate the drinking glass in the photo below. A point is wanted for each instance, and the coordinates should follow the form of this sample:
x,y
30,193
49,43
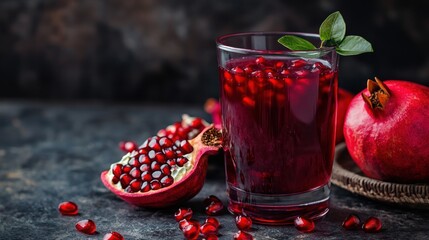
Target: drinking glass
x,y
278,123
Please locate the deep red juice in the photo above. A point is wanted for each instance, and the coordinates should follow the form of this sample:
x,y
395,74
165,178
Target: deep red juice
x,y
278,123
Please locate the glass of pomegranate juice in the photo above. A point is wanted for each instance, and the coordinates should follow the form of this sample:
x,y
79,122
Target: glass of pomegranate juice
x,y
278,120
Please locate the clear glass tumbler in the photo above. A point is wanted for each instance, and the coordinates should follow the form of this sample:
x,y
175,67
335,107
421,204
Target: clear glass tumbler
x,y
278,117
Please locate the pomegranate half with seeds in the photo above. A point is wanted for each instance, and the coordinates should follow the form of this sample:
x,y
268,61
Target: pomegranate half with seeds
x,y
165,170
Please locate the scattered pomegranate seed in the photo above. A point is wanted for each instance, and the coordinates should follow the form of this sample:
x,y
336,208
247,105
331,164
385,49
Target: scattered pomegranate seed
x,y
208,228
351,222
68,208
210,199
183,223
113,236
372,225
240,235
128,146
304,224
243,222
191,231
213,221
86,226
213,205
183,213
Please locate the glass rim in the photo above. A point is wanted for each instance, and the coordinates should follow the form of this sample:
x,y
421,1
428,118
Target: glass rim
x,y
221,45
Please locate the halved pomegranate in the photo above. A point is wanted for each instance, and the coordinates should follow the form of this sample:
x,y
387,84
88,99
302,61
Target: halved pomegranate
x,y
166,170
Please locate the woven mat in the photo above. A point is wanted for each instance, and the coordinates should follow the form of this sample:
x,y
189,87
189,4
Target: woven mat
x,y
347,175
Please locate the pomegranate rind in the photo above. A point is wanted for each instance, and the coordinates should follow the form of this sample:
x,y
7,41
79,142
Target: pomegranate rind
x,y
180,191
390,144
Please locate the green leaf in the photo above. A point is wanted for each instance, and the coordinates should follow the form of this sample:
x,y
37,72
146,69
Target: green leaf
x,y
332,34
353,45
295,43
333,28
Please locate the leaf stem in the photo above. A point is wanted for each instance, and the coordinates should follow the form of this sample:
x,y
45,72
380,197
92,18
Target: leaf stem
x,y
321,43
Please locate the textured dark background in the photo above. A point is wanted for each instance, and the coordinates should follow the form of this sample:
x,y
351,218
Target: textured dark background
x,y
164,51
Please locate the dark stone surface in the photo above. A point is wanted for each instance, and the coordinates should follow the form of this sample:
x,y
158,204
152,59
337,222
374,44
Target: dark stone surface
x,y
164,51
51,153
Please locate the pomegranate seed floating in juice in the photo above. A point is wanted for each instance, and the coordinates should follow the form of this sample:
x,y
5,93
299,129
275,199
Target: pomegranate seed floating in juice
x,y
278,113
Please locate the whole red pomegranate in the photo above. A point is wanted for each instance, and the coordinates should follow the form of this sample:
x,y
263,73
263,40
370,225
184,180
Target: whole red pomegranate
x,y
166,169
386,131
344,99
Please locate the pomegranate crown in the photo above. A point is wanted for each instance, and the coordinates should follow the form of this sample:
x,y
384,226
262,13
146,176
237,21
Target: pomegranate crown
x,y
379,94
